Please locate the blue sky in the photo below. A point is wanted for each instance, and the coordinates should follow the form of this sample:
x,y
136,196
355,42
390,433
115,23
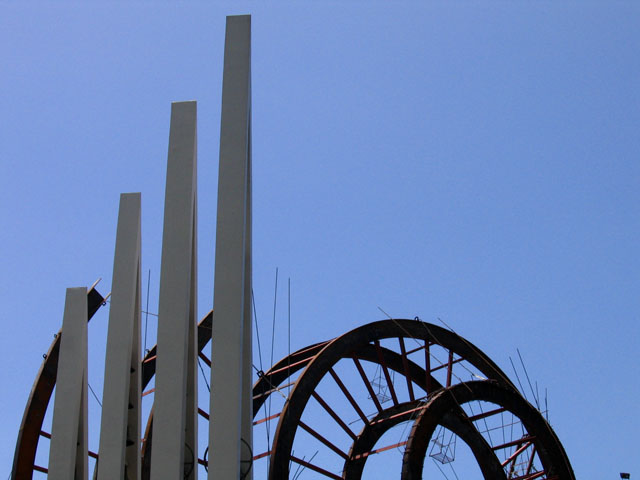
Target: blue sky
x,y
477,162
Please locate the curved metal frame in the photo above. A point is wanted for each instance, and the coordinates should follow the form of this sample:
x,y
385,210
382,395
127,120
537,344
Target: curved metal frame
x,y
446,401
454,421
39,397
344,347
317,361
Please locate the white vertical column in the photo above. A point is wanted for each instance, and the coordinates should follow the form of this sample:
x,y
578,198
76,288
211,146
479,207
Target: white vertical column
x,y
175,407
231,400
120,426
68,452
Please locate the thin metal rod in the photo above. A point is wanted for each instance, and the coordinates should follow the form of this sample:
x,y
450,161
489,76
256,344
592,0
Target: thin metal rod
x,y
528,380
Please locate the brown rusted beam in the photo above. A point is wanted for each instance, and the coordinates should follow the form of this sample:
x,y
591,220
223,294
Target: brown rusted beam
x,y
311,348
449,368
144,394
526,438
262,455
315,468
515,454
531,458
322,439
262,420
367,384
405,365
346,393
445,365
487,414
379,450
288,367
397,415
333,415
205,359
387,377
417,349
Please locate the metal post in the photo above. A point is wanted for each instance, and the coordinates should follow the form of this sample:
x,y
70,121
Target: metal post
x,y
231,417
175,418
68,452
120,427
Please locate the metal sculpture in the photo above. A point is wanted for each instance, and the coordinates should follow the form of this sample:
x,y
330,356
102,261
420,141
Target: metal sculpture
x,y
335,400
428,363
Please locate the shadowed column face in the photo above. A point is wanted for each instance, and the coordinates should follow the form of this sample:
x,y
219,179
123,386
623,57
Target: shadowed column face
x,y
68,450
120,425
231,416
175,395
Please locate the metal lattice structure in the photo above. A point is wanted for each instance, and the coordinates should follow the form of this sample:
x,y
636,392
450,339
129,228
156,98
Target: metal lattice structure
x,y
319,390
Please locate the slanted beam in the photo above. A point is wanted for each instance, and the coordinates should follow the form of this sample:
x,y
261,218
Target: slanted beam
x,y
120,425
175,406
231,393
68,452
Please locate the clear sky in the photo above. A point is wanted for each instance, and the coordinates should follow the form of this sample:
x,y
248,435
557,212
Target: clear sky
x,y
477,162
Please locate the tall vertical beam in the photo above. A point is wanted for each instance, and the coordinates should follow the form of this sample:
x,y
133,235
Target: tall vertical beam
x,y
231,416
68,452
175,417
120,424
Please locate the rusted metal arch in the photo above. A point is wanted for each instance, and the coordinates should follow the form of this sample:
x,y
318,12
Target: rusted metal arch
x,y
342,347
366,352
288,366
39,397
548,447
358,344
377,426
457,422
